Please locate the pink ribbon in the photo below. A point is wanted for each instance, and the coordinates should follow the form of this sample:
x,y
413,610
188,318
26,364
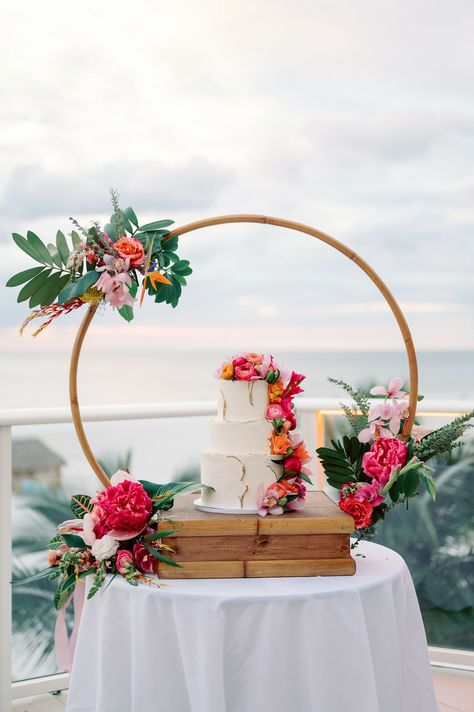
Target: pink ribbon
x,y
65,646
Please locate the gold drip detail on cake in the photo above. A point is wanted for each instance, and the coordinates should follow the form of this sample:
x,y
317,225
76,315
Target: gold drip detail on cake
x,y
250,390
242,479
277,475
224,405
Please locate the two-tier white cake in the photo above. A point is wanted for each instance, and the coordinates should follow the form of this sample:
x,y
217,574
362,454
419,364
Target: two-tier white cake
x,y
239,459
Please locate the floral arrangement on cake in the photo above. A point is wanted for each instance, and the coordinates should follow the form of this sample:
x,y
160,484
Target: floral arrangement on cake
x,y
288,492
377,468
115,533
101,265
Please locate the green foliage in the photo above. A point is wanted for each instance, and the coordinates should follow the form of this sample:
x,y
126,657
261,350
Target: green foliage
x,y
357,420
160,557
64,590
81,504
98,579
163,495
111,464
25,276
441,440
126,312
343,463
75,289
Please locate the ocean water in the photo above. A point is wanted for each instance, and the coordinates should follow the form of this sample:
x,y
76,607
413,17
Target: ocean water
x,y
166,447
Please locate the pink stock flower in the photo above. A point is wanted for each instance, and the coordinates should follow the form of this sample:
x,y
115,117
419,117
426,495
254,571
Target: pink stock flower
x,y
385,455
275,411
123,561
245,372
393,390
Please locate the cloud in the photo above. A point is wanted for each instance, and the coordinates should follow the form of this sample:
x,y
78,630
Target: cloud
x,y
32,191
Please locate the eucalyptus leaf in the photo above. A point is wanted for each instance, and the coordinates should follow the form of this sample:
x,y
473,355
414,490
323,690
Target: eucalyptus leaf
x,y
33,285
21,277
39,248
62,246
76,238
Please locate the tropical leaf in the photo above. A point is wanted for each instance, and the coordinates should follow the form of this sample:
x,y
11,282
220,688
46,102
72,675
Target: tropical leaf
x,y
130,215
157,225
24,276
160,557
48,292
55,256
44,573
64,590
170,244
76,238
163,495
62,247
76,289
24,245
160,534
81,504
126,312
74,541
55,542
39,248
33,285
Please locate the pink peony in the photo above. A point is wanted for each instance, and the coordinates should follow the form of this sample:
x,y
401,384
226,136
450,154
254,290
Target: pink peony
x,y
245,372
384,456
274,412
124,560
143,560
123,510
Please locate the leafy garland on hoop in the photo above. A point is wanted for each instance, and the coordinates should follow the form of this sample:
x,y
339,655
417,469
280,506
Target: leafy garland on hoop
x,y
101,265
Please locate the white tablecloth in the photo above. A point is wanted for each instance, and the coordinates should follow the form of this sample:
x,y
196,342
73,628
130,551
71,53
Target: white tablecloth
x,y
341,644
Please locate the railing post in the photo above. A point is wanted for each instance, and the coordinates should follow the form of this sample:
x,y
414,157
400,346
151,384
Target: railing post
x,y
5,566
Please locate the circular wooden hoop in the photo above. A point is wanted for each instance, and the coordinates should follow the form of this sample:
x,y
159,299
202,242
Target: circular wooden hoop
x,y
290,224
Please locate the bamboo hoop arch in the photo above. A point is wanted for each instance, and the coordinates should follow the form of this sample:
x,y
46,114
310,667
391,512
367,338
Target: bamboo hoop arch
x,y
279,222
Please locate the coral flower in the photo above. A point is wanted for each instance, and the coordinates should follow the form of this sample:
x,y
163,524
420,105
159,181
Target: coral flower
x,y
279,444
275,391
132,249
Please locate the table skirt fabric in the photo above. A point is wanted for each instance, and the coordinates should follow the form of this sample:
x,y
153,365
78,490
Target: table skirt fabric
x,y
257,645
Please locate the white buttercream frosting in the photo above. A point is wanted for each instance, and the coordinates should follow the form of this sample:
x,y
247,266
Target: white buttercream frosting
x,y
242,401
235,479
232,437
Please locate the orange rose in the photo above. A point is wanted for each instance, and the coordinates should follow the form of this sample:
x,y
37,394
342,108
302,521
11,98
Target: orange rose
x,y
275,391
301,452
279,444
227,372
133,249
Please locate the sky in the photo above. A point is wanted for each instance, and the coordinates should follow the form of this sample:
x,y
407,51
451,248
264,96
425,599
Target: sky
x,y
355,118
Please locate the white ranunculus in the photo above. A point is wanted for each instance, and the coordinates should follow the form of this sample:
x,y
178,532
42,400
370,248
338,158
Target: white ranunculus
x,y
104,548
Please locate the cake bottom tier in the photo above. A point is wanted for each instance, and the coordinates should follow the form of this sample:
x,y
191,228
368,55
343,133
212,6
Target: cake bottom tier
x,y
235,479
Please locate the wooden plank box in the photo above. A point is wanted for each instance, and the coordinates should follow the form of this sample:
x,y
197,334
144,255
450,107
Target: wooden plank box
x,y
311,542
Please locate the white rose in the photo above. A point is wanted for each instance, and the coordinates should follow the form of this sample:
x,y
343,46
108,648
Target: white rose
x,y
104,548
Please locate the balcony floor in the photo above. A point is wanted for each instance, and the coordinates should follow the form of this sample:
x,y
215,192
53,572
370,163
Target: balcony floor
x,y
454,692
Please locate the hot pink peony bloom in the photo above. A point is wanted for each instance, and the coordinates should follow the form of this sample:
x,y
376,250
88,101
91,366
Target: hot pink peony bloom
x,y
123,510
245,372
384,456
143,560
123,561
393,390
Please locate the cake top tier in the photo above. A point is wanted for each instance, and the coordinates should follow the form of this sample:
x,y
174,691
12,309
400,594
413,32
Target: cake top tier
x,y
242,401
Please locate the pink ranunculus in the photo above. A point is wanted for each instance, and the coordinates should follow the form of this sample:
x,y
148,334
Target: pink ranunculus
x,y
274,412
123,561
254,358
245,372
292,463
123,510
384,456
393,390
143,560
370,493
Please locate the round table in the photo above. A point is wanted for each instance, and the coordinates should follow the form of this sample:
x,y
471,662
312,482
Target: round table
x,y
257,645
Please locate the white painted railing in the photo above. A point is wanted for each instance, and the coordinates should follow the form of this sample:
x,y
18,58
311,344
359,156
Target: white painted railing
x,y
312,413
